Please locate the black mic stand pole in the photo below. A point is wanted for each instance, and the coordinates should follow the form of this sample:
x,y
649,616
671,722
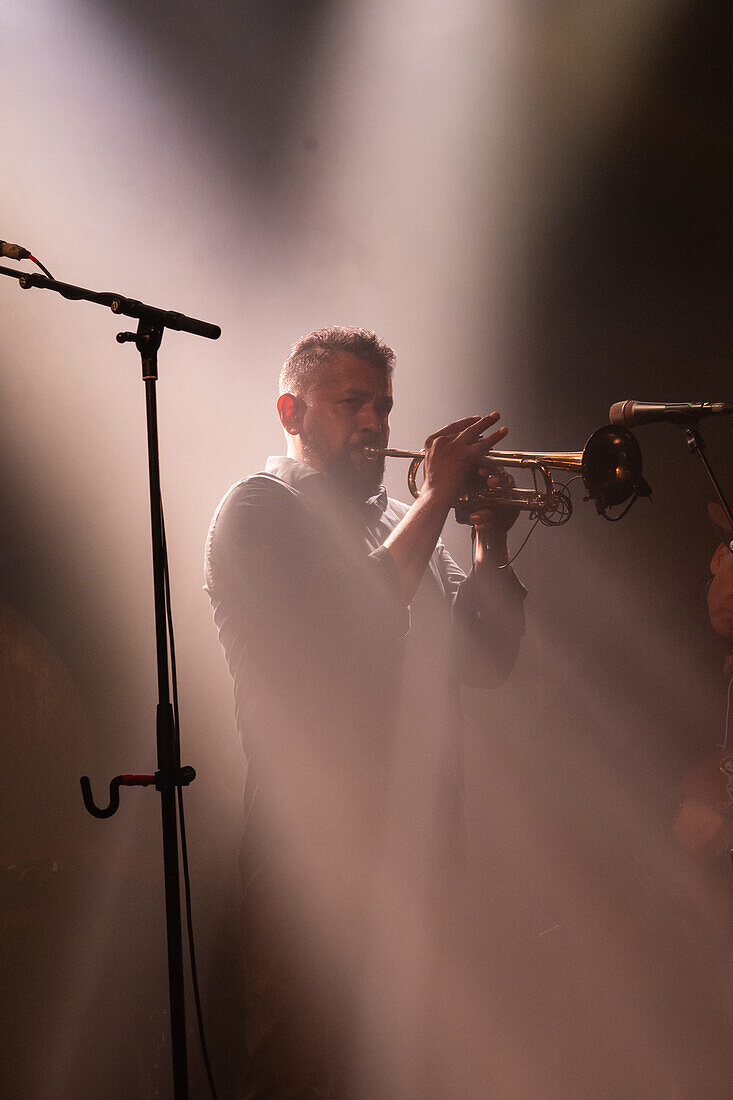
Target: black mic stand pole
x,y
170,775
696,446
147,341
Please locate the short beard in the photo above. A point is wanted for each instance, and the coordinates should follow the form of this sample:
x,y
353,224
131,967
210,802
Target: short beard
x,y
355,484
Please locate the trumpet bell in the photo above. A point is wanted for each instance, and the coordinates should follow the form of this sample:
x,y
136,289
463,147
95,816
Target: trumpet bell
x,y
611,467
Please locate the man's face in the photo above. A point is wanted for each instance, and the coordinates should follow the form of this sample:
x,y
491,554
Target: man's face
x,y
720,592
345,412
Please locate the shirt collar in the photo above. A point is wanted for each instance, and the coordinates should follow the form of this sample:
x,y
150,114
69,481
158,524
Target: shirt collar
x,y
300,476
376,505
293,473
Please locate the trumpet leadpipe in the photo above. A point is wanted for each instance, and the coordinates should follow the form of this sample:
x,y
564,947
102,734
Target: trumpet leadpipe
x,y
556,460
391,452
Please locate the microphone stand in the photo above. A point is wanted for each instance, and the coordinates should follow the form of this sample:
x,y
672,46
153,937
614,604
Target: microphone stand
x,y
170,776
696,445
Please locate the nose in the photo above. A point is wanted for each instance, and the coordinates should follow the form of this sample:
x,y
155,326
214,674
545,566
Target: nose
x,y
370,420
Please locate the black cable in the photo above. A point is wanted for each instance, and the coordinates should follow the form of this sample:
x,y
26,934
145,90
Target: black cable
x,y
18,253
182,825
192,949
615,519
45,270
561,511
565,500
519,551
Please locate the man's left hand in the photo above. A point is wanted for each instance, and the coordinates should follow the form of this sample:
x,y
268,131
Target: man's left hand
x,y
495,522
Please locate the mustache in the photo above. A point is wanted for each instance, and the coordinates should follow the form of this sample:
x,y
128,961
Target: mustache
x,y
371,443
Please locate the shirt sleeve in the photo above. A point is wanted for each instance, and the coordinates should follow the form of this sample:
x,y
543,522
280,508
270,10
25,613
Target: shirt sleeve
x,y
488,620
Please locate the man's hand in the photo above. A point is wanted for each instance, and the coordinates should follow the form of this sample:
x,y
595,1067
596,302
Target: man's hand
x,y
498,520
454,453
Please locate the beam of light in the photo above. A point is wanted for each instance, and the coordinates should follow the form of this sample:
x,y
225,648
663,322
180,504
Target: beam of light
x,y
405,159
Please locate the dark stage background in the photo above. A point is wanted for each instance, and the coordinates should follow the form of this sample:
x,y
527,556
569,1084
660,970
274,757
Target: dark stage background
x,y
531,204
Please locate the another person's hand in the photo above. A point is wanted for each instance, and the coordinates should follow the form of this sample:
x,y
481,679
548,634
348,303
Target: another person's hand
x,y
720,591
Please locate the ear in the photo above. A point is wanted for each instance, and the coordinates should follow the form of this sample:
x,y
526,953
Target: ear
x,y
290,409
717,557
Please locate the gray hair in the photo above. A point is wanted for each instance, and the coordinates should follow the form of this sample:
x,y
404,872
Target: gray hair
x,y
303,368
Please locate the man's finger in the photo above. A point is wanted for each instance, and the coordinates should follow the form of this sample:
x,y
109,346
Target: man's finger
x,y
453,429
483,517
493,467
482,446
496,475
473,432
497,519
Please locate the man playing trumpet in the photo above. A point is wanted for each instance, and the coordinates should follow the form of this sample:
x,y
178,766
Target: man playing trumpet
x,y
348,628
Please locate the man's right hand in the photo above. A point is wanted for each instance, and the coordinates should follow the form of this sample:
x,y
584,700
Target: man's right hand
x,y
453,453
450,456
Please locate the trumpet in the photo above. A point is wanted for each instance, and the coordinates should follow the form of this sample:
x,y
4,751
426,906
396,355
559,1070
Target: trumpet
x,y
610,466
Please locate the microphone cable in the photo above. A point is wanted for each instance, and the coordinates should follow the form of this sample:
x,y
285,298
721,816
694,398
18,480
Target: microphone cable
x,y
516,553
182,824
24,254
38,263
615,519
565,508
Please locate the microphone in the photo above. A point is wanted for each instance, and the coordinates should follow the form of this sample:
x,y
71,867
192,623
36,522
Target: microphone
x,y
631,413
13,251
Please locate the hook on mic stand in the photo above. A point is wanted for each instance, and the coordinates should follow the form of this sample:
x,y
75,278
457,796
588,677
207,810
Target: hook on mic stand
x,y
181,777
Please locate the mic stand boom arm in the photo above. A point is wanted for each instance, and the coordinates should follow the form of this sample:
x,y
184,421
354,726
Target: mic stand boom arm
x,y
170,775
118,303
